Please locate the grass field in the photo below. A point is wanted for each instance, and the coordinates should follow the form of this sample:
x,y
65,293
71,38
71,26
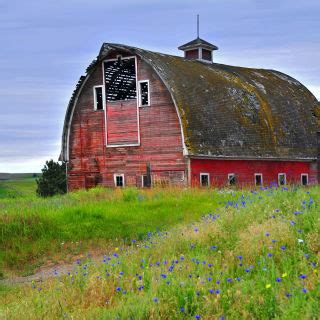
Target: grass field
x,y
33,229
209,254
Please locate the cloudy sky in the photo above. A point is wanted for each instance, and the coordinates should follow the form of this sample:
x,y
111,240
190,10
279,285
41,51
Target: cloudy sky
x,y
45,45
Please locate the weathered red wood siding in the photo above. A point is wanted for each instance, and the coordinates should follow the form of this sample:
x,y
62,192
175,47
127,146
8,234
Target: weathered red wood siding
x,y
92,163
122,122
245,170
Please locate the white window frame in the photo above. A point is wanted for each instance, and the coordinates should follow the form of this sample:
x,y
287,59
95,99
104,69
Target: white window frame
x,y
304,174
255,179
229,176
285,179
95,97
139,93
115,179
142,184
204,174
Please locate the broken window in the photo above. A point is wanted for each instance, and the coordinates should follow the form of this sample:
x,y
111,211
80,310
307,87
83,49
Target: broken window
x,y
119,180
144,93
258,179
281,179
304,179
204,179
120,79
98,98
232,179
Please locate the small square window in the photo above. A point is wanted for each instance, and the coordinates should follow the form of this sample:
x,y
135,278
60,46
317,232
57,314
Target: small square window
x,y
119,180
282,179
98,98
258,179
304,179
204,179
144,93
232,179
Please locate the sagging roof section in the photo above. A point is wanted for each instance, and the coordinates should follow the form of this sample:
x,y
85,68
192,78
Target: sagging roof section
x,y
236,112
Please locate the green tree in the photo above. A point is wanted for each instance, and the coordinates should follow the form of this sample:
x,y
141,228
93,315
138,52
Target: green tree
x,y
53,179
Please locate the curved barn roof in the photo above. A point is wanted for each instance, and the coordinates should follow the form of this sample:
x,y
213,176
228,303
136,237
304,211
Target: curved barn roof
x,y
235,112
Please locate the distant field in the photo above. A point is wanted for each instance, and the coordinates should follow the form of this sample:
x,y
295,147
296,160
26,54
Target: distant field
x,y
22,187
215,255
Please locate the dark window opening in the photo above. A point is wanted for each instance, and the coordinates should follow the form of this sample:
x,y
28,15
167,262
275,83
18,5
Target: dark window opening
x,y
258,178
232,179
204,180
120,79
98,98
304,179
282,179
206,55
144,93
146,181
119,180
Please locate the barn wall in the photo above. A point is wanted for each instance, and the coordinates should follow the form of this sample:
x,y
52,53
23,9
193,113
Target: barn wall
x,y
245,170
92,163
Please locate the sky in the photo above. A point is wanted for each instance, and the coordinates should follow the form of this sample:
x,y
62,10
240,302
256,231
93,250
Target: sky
x,y
45,46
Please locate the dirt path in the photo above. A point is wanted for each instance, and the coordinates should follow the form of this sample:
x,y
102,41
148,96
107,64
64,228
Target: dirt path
x,y
46,272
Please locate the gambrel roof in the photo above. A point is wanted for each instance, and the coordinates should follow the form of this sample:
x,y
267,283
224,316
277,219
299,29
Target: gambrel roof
x,y
235,112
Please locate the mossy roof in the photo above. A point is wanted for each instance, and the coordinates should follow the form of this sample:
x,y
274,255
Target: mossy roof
x,y
236,112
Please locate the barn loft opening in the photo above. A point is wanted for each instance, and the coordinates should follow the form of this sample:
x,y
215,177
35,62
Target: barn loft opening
x,y
120,79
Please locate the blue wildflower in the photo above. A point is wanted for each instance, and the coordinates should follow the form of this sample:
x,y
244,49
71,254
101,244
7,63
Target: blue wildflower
x,y
155,300
302,276
304,290
283,248
198,316
278,279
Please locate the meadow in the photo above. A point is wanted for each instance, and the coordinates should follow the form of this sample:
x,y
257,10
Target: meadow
x,y
168,254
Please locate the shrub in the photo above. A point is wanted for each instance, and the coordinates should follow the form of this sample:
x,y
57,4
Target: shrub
x,y
53,179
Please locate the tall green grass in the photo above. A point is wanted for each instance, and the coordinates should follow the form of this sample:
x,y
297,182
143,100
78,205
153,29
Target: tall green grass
x,y
254,257
34,230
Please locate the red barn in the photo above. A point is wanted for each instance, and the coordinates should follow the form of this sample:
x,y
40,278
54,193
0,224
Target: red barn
x,y
141,118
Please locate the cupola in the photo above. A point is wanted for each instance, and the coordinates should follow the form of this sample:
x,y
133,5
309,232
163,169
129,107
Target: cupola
x,y
198,49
